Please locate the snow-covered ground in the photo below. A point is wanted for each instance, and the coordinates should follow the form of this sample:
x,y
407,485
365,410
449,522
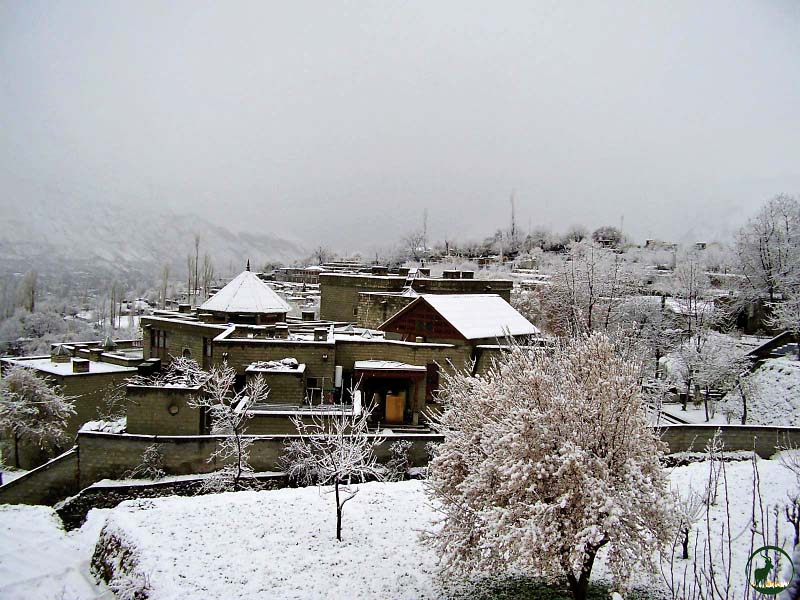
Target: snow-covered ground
x,y
39,560
281,544
773,392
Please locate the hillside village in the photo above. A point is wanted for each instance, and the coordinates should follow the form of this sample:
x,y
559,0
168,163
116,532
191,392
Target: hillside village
x,y
399,300
307,346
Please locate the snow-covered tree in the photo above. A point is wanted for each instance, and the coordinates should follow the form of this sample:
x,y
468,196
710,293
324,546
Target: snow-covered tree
x,y
768,247
587,289
33,411
228,411
335,449
546,459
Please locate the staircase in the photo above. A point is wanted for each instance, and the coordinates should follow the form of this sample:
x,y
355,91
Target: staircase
x,y
409,283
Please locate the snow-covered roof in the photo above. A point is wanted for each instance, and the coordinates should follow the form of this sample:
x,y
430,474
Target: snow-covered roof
x,y
478,316
385,365
46,365
246,293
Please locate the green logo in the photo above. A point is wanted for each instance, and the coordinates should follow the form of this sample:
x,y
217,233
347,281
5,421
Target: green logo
x,y
763,569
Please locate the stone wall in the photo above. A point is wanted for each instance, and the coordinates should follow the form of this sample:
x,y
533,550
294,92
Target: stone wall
x,y
765,440
110,456
374,309
90,393
74,510
319,357
340,293
46,484
181,335
285,387
162,410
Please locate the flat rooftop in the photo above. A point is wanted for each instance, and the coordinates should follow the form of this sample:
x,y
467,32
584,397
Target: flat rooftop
x,y
64,369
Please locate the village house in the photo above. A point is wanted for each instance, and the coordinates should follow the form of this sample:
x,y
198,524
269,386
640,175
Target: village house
x,y
312,364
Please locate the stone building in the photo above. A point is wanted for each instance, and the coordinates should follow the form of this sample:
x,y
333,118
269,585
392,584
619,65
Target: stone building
x,y
92,374
366,298
311,364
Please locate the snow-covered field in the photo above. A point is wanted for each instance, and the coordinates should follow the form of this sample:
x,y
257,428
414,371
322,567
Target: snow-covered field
x,y
281,544
39,560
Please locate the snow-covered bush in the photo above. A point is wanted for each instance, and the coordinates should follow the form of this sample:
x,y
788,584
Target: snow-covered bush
x,y
116,561
399,463
151,465
546,459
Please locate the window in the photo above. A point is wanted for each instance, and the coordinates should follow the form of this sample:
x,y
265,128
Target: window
x,y
158,339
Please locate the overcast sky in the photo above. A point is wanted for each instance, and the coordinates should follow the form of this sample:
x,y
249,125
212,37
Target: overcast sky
x,y
343,121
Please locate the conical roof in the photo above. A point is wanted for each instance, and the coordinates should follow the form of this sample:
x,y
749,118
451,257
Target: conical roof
x,y
246,293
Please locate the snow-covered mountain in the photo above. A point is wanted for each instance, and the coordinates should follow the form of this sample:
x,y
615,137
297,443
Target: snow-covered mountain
x,y
92,234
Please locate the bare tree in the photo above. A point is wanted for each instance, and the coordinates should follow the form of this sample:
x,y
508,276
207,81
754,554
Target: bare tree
x,y
609,236
162,300
560,458
196,264
587,291
690,509
26,291
768,247
321,254
576,233
414,243
228,411
208,275
335,449
191,284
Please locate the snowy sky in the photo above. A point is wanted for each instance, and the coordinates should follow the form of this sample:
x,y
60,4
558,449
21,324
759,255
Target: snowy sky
x,y
343,121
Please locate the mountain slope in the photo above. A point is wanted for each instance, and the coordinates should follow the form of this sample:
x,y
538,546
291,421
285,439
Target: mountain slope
x,y
39,232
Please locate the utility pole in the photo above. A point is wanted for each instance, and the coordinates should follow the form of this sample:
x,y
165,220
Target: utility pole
x,y
513,220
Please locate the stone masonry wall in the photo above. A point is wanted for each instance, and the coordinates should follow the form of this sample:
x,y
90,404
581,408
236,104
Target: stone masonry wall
x,y
375,309
148,411
46,484
340,293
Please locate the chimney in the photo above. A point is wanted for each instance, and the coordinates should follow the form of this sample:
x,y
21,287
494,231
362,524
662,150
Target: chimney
x,y
320,334
94,354
184,308
281,331
424,271
59,353
308,315
80,365
451,274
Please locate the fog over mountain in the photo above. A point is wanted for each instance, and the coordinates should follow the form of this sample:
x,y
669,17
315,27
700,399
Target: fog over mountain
x,y
341,122
53,226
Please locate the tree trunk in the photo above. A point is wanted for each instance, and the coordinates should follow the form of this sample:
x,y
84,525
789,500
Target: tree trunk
x,y
16,450
705,402
338,512
580,586
685,544
744,403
